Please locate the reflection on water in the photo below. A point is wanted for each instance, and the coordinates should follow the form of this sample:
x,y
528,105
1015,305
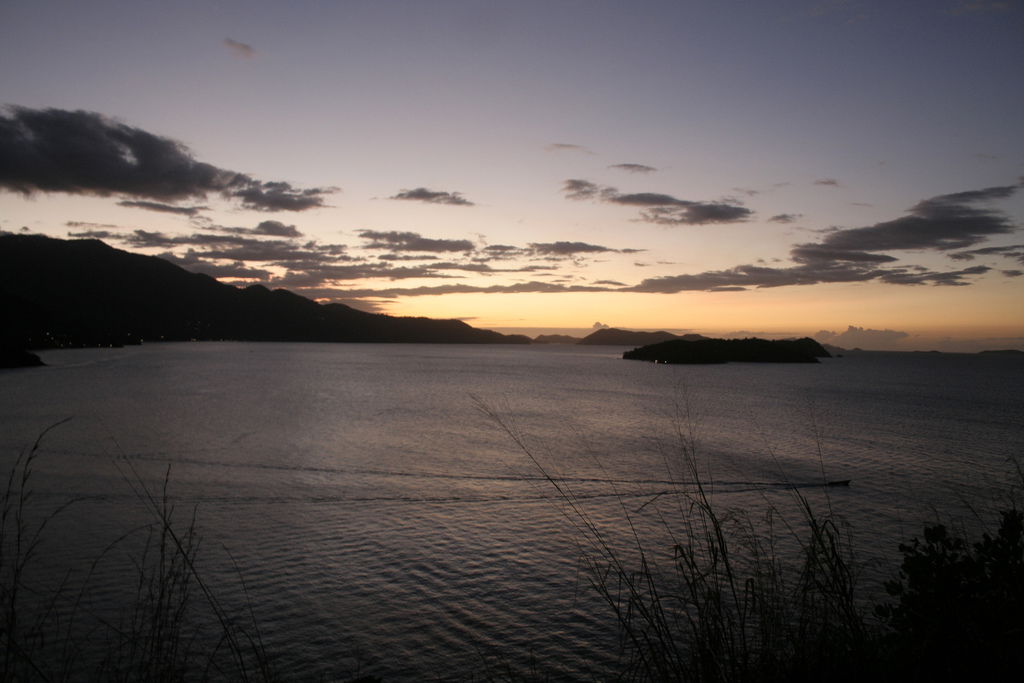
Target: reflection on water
x,y
382,522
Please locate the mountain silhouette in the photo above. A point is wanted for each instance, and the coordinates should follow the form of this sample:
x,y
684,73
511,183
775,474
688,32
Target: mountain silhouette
x,y
57,293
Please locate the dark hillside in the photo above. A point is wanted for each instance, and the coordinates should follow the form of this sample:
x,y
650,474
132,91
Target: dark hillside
x,y
84,293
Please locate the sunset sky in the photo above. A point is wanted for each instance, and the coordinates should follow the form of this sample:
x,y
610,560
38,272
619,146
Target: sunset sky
x,y
849,170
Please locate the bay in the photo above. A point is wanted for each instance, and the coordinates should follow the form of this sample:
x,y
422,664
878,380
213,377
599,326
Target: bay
x,y
384,523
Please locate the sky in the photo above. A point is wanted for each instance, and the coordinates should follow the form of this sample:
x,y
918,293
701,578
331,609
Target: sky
x,y
848,170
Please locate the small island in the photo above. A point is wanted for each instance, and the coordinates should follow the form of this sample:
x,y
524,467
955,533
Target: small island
x,y
18,358
752,350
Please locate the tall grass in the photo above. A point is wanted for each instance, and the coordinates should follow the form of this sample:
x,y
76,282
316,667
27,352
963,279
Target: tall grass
x,y
175,628
733,603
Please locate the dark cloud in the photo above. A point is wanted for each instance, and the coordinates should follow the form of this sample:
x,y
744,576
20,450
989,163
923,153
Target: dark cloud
x,y
658,208
747,276
422,194
503,252
405,257
483,268
567,248
634,168
244,247
267,251
277,229
575,188
810,273
953,278
80,152
811,253
1013,251
532,287
785,218
829,182
90,225
162,208
194,262
944,222
269,228
93,234
240,49
1012,273
411,241
643,199
696,213
280,196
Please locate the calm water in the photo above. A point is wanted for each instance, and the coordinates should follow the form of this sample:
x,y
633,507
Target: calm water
x,y
384,524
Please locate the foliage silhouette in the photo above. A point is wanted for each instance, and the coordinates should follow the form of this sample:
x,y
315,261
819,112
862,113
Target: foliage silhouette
x,y
959,610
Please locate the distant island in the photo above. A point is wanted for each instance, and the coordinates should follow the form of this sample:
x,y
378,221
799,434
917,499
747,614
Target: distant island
x,y
752,350
611,336
18,358
63,293
556,339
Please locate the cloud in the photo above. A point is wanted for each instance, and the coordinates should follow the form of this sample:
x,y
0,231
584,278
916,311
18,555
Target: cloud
x,y
92,234
642,199
163,208
748,276
566,147
950,221
241,49
941,223
411,241
269,228
234,244
88,224
785,218
861,337
828,182
532,287
577,189
86,153
567,248
953,278
811,253
658,208
276,228
195,263
760,277
422,194
280,196
634,168
1013,251
484,269
504,251
696,213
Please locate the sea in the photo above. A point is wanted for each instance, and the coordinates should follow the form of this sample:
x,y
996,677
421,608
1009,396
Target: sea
x,y
437,512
